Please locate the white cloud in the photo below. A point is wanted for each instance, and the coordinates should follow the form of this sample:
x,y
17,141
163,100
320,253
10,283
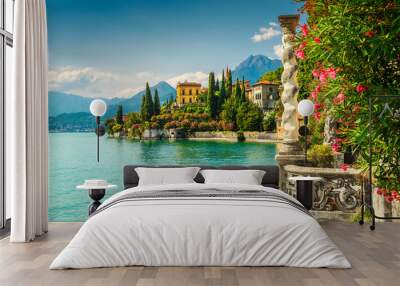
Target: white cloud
x,y
273,24
199,77
127,92
93,82
72,78
145,75
266,33
278,51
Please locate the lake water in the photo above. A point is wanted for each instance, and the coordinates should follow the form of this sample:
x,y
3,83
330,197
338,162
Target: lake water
x,y
72,159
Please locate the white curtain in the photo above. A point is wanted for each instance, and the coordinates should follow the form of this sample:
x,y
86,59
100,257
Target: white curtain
x,y
27,133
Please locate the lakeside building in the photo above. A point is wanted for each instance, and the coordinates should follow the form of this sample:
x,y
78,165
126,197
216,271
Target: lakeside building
x,y
187,92
264,94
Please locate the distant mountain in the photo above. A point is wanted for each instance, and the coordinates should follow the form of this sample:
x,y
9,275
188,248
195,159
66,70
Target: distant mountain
x,y
254,67
132,104
60,103
67,103
72,122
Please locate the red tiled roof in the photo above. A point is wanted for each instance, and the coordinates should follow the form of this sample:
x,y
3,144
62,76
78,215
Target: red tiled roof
x,y
265,82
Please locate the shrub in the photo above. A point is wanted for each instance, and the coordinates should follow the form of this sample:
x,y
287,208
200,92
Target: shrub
x,y
269,122
321,155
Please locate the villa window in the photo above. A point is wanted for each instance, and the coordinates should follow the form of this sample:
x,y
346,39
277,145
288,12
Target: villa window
x,y
6,44
190,92
183,92
197,92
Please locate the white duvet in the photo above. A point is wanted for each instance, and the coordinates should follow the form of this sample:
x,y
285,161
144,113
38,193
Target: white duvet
x,y
202,232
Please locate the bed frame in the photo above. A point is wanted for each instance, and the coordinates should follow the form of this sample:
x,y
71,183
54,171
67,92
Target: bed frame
x,y
270,179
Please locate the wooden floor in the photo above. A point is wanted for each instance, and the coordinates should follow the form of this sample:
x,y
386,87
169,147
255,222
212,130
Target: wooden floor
x,y
375,257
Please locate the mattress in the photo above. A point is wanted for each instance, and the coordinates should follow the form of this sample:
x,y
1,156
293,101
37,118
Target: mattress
x,y
201,225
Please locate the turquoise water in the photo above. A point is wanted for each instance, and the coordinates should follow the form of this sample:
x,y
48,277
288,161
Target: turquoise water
x,y
72,159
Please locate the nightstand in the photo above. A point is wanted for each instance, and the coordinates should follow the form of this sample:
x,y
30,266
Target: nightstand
x,y
96,190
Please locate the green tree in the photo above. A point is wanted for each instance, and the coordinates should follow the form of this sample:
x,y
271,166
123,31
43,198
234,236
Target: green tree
x,y
222,92
149,100
228,82
216,85
249,117
132,118
229,111
243,96
212,100
157,106
143,108
119,117
274,76
238,92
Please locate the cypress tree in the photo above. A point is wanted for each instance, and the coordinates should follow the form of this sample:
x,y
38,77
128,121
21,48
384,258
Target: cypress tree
x,y
119,118
244,99
217,85
222,91
143,109
238,91
228,82
157,106
212,100
150,104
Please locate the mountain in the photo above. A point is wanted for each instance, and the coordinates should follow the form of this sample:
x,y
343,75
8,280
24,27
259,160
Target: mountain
x,y
132,104
254,67
72,122
60,103
67,103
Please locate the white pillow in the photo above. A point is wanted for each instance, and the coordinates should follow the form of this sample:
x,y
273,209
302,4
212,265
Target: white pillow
x,y
248,177
166,176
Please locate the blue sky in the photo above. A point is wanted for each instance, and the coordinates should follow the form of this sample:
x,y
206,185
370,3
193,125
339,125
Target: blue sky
x,y
111,48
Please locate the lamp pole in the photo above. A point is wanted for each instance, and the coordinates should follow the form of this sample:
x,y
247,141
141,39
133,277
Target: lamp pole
x,y
98,108
305,139
305,108
98,137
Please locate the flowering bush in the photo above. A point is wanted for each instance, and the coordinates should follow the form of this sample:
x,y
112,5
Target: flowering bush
x,y
347,51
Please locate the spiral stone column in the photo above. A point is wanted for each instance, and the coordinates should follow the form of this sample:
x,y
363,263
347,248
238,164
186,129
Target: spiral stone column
x,y
289,151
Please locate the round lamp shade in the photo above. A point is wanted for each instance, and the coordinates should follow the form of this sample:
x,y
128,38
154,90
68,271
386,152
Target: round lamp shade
x,y
98,107
305,107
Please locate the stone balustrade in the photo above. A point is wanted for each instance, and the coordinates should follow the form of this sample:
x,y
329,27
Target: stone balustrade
x,y
338,191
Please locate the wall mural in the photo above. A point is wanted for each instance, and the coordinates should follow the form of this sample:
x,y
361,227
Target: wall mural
x,y
185,82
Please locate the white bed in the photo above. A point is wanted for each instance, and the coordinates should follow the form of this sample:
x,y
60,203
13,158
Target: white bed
x,y
200,231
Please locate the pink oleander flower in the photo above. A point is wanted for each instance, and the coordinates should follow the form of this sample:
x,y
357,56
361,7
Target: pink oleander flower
x,y
317,106
338,140
317,115
317,40
300,54
361,88
331,72
335,147
370,33
344,167
318,88
302,45
323,76
395,194
304,29
389,199
339,99
314,95
379,191
315,73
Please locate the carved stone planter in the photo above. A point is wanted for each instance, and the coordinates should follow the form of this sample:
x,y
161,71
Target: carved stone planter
x,y
338,191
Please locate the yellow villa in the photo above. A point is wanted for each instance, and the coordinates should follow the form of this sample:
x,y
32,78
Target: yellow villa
x,y
187,92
